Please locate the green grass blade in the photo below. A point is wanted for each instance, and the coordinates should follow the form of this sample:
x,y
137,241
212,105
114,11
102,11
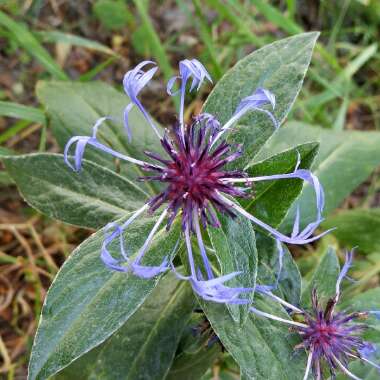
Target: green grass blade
x,y
20,111
228,13
42,144
291,6
89,75
13,130
338,25
341,117
26,39
71,39
5,179
207,40
360,60
337,87
154,41
276,17
286,24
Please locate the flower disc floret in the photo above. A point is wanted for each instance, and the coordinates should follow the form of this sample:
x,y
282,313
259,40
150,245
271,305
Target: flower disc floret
x,y
194,174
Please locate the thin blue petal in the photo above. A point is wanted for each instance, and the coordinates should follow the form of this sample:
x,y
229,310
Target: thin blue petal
x,y
134,81
126,121
343,273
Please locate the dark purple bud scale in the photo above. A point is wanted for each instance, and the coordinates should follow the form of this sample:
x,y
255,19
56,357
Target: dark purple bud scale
x,y
194,172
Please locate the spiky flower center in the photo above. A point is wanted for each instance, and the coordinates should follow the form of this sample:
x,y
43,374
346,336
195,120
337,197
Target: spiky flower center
x,y
331,336
194,174
324,335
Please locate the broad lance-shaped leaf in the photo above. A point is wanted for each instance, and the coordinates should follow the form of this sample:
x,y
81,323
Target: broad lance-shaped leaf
x,y
90,198
144,347
19,111
88,302
264,349
73,109
280,68
235,249
272,199
323,278
345,160
357,228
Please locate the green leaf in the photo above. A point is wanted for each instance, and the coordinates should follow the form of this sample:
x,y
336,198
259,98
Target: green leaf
x,y
71,39
290,282
369,300
280,68
345,160
20,111
90,198
5,179
366,301
195,355
153,332
157,47
235,249
113,14
73,109
275,16
357,227
27,41
192,365
263,349
6,151
324,277
364,372
88,302
272,199
13,130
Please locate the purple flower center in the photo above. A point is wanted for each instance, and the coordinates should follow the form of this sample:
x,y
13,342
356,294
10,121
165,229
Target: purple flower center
x,y
194,173
331,337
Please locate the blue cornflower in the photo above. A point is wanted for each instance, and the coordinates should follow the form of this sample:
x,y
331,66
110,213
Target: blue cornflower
x,y
327,335
197,183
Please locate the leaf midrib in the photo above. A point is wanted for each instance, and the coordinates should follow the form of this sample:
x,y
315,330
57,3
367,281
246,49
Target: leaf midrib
x,y
117,137
86,307
106,344
65,190
273,353
154,328
79,196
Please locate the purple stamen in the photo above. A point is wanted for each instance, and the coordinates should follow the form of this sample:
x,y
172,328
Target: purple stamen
x,y
194,175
